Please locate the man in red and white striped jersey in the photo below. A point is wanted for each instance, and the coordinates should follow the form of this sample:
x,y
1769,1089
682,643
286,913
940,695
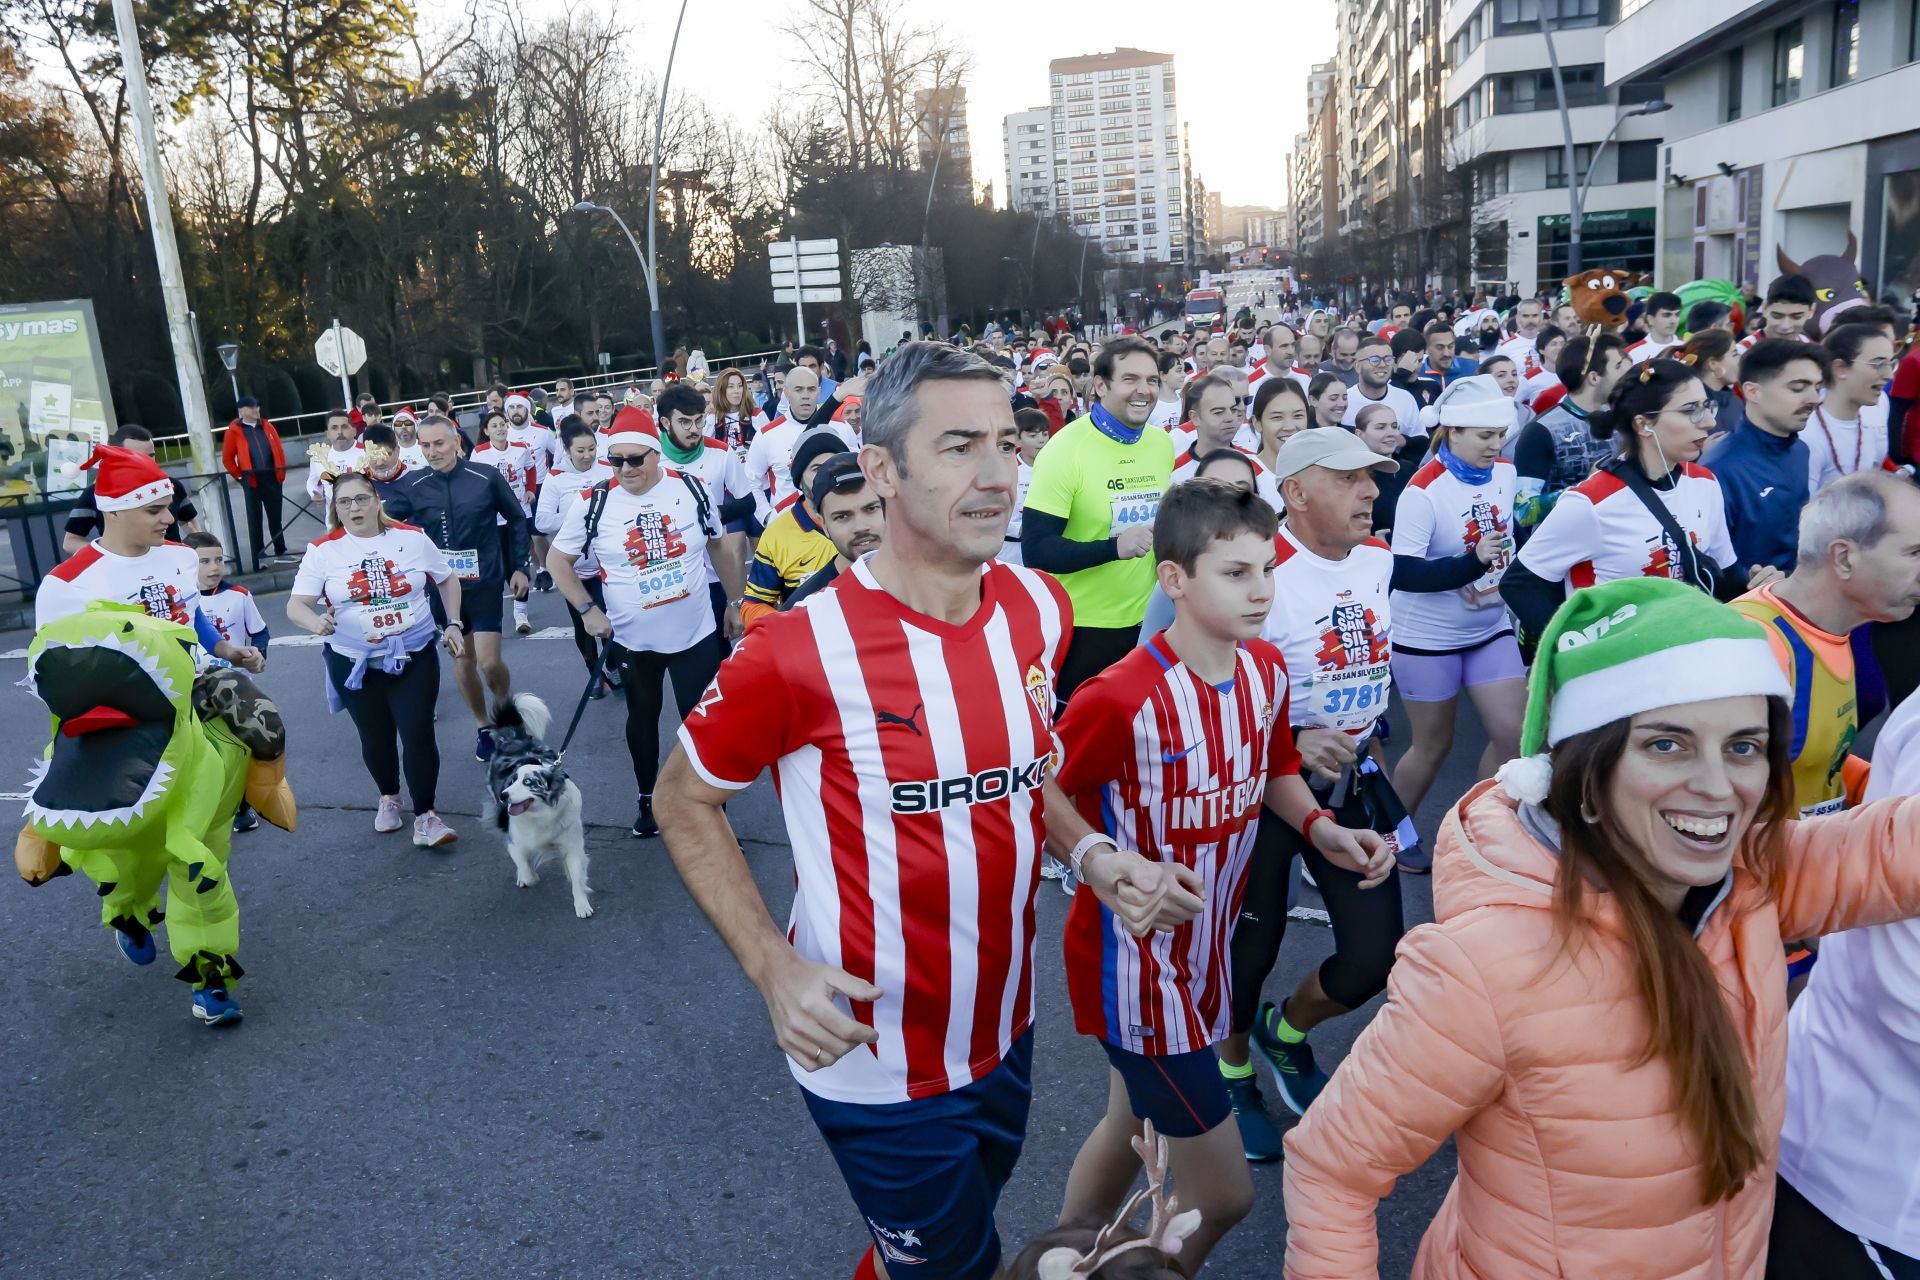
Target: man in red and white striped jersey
x,y
907,713
1174,748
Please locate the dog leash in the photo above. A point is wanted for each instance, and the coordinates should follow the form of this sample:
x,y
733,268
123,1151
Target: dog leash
x,y
586,695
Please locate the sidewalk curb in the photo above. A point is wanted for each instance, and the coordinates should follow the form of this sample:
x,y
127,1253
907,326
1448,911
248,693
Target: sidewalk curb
x,y
19,616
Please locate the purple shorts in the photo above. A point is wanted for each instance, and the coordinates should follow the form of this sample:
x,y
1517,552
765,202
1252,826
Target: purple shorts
x,y
1437,677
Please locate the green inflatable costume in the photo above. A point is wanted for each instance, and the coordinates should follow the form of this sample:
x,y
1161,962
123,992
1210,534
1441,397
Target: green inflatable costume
x,y
139,785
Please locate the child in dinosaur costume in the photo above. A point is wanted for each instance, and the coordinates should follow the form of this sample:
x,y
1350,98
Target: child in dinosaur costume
x,y
139,785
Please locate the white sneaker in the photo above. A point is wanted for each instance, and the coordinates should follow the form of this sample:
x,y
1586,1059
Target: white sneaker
x,y
521,626
429,831
388,819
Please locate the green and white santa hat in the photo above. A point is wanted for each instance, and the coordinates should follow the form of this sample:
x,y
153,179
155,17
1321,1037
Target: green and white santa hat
x,y
1628,646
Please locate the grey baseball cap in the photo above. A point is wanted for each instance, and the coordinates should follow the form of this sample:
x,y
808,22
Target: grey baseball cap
x,y
1334,448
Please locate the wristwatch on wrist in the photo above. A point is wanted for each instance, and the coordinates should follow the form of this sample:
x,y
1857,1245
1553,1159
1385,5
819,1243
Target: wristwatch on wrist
x,y
1087,844
455,623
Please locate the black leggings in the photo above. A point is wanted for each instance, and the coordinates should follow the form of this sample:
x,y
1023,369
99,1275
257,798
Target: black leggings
x,y
1806,1244
1091,651
691,671
589,647
388,707
1367,923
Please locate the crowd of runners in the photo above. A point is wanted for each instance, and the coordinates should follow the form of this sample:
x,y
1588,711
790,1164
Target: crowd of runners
x,y
1129,615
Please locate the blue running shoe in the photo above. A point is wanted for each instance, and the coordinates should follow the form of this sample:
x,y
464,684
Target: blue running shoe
x,y
213,1006
140,952
1259,1135
1295,1076
483,745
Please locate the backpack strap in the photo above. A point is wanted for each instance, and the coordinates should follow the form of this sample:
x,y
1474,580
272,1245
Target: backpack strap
x,y
596,504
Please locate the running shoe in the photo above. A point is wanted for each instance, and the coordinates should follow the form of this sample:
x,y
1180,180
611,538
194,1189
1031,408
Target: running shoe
x,y
1069,882
1259,1135
429,832
387,819
141,951
483,745
543,581
644,827
245,819
598,691
1416,861
213,1006
1295,1076
1052,868
521,627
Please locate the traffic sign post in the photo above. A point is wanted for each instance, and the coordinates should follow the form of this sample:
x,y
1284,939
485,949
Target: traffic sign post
x,y
341,352
804,271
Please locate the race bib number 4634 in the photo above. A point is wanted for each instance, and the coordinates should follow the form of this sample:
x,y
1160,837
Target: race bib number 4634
x,y
1131,510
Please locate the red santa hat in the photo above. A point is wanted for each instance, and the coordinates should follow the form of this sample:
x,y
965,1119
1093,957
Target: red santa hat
x,y
632,427
519,398
124,479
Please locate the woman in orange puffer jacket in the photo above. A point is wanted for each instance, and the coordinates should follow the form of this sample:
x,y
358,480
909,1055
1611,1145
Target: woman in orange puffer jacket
x,y
1598,1015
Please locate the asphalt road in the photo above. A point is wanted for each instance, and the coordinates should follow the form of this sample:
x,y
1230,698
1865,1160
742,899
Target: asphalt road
x,y
440,1075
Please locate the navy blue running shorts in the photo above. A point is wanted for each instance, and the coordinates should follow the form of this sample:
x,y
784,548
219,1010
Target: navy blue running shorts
x,y
1182,1093
926,1174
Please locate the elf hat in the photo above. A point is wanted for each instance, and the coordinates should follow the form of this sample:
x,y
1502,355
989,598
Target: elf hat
x,y
1627,646
1470,402
125,479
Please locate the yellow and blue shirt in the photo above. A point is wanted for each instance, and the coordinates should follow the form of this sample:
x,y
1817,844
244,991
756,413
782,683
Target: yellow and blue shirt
x,y
1826,712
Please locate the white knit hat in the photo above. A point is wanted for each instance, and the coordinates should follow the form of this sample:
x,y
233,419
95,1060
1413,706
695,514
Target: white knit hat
x,y
1470,402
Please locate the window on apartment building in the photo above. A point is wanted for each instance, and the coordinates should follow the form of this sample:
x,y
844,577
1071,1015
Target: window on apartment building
x,y
1636,91
1533,90
1557,165
1512,16
1844,64
1736,73
1789,62
1638,161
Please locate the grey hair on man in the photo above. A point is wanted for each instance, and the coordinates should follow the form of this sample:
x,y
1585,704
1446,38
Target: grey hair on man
x,y
890,406
1852,509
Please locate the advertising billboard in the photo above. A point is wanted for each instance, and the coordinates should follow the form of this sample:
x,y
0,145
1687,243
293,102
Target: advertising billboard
x,y
53,379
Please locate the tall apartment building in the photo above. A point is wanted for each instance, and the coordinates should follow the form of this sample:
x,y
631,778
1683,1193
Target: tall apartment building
x,y
1116,143
1371,54
1792,129
942,131
1029,146
1308,195
1504,127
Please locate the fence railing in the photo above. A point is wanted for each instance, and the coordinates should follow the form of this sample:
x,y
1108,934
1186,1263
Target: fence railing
x,y
297,425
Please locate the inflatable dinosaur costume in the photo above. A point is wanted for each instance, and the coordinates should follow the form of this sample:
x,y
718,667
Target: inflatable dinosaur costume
x,y
139,785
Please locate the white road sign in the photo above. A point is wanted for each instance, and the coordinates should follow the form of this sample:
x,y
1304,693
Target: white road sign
x,y
786,248
807,295
327,351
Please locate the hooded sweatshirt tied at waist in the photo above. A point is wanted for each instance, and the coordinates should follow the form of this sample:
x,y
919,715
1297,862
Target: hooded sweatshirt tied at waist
x,y
1572,1161
1764,480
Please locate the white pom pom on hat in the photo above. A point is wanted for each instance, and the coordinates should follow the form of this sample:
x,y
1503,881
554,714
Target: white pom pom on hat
x,y
1429,416
1527,778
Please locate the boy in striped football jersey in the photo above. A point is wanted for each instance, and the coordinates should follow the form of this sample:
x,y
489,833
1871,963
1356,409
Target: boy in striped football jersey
x,y
1172,751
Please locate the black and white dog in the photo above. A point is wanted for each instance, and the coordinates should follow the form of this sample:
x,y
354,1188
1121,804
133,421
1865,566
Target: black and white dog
x,y
531,798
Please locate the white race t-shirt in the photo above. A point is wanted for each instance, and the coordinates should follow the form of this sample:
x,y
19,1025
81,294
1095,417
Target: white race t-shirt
x,y
1186,466
1166,414
538,442
1647,348
652,551
165,582
1332,622
339,462
770,457
234,613
563,485
1599,531
733,432
1010,545
516,464
1440,516
1838,447
376,586
1404,406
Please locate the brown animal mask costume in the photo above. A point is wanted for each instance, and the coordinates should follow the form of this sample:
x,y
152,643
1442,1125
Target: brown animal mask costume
x,y
1599,297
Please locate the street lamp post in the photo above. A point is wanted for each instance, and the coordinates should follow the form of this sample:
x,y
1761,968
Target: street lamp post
x,y
1577,186
653,203
646,269
230,357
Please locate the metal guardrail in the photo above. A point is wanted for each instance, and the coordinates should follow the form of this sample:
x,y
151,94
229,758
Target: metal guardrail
x,y
304,424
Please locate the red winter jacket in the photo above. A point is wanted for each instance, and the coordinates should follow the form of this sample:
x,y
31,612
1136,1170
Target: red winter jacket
x,y
238,459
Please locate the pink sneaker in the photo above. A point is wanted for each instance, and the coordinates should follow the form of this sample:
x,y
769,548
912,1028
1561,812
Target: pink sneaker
x,y
429,831
388,819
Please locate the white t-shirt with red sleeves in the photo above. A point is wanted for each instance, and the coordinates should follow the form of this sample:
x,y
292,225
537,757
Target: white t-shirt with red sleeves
x,y
1648,348
652,551
377,587
1175,768
516,465
770,457
538,441
165,582
234,613
1599,531
557,494
725,477
1186,466
909,755
735,430
1332,621
1746,344
1440,516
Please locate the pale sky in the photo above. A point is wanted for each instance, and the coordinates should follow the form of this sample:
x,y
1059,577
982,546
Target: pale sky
x,y
1242,72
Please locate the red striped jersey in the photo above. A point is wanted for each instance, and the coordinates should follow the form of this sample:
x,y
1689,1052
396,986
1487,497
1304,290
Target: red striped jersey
x,y
909,756
1599,531
1175,768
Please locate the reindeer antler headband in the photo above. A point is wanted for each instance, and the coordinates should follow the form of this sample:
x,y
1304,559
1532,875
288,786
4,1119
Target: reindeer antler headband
x,y
1167,1229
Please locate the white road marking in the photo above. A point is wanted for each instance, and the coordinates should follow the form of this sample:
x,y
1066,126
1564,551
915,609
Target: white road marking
x,y
304,641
